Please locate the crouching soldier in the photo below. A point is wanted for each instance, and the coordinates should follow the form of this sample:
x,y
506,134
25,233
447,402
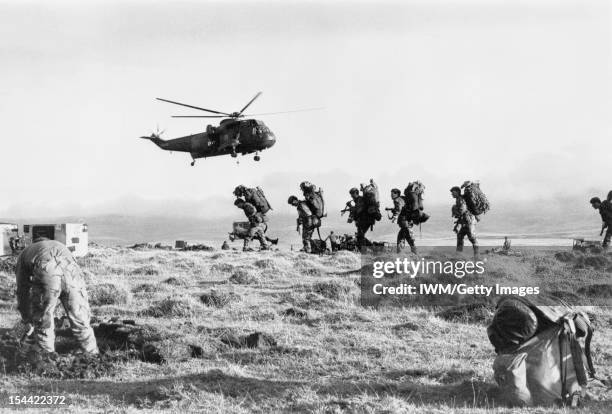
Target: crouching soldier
x,y
465,224
262,221
307,220
257,226
605,210
47,274
400,214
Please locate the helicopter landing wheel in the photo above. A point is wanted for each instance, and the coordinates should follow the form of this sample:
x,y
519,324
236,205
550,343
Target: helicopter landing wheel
x,y
257,158
192,163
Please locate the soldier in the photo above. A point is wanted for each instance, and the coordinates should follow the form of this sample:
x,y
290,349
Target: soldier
x,y
307,220
250,209
257,226
405,223
605,210
466,222
47,274
334,243
359,215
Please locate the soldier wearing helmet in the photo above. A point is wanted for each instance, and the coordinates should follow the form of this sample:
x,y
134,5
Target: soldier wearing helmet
x,y
404,222
465,224
307,220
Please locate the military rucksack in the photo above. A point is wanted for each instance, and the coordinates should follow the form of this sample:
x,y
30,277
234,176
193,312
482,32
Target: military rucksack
x,y
476,201
606,211
413,198
314,199
540,359
413,195
257,197
371,200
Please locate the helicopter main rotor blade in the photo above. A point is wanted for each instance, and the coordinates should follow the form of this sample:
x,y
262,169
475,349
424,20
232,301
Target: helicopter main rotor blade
x,y
286,112
250,102
198,116
194,107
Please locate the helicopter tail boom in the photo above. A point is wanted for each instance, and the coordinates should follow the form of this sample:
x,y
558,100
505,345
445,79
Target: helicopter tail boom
x,y
155,139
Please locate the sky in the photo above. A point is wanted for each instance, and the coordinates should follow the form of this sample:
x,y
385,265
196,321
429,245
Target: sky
x,y
515,94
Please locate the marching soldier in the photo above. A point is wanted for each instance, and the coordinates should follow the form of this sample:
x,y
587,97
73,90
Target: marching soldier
x,y
465,224
401,215
359,215
307,220
605,210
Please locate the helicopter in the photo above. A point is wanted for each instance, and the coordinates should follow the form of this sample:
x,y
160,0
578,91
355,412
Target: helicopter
x,y
234,135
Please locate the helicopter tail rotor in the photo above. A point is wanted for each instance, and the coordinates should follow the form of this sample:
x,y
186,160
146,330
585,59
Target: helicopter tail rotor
x,y
155,135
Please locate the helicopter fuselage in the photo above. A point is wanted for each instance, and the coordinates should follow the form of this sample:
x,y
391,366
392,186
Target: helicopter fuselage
x,y
244,136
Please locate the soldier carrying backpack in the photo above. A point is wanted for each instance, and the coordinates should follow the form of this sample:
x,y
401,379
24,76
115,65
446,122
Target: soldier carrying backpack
x,y
365,211
254,196
465,221
605,211
540,359
314,199
403,221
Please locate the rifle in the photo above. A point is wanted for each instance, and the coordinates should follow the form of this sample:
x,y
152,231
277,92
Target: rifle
x,y
390,216
348,208
455,226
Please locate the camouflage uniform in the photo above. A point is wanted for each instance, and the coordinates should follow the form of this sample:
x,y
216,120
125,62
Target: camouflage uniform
x,y
605,210
466,223
47,274
309,223
363,220
404,222
258,226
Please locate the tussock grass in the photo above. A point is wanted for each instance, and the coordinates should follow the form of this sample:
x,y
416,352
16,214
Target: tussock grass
x,y
332,355
245,276
148,270
108,294
173,307
219,299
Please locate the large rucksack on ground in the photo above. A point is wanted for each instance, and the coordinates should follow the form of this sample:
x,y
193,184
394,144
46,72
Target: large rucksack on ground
x,y
371,200
257,197
476,201
540,359
413,198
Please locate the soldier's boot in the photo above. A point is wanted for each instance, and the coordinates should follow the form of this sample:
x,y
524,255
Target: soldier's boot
x,y
245,247
476,254
272,241
307,246
263,243
413,249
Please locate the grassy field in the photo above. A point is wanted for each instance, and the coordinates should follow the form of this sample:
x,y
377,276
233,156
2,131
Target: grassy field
x,y
330,354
